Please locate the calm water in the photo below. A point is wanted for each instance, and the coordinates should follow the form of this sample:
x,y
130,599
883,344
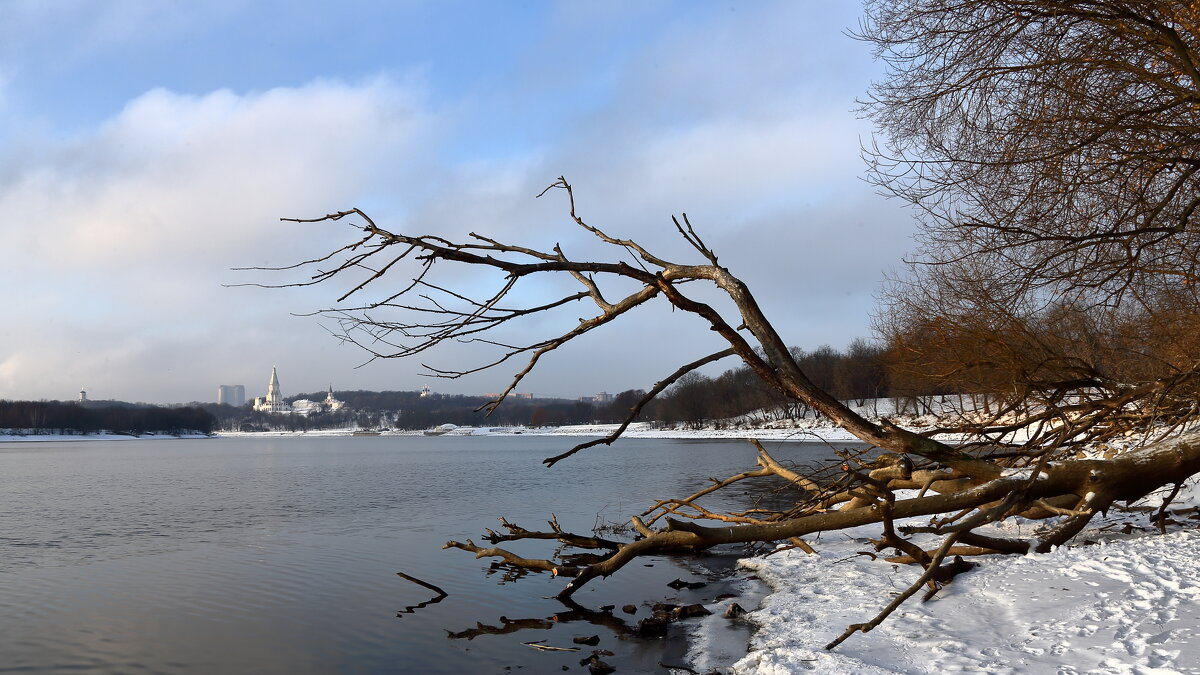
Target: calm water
x,y
280,555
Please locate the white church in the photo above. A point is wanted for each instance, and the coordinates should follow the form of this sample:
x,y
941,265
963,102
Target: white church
x,y
273,402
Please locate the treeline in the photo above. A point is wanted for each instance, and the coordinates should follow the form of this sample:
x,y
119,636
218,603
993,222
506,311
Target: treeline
x,y
857,374
58,417
408,410
1056,352
1052,354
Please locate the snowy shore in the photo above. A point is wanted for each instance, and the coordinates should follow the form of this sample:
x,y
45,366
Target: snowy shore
x,y
803,432
1108,603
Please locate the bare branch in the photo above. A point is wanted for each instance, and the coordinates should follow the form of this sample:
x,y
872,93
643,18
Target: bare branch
x,y
637,409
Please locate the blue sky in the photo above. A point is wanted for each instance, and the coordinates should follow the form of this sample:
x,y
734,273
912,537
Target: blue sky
x,y
147,147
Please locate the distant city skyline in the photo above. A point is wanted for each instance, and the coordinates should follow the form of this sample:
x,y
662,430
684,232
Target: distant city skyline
x,y
147,148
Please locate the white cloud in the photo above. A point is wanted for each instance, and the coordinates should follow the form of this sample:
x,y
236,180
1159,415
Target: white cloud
x,y
125,230
137,223
179,175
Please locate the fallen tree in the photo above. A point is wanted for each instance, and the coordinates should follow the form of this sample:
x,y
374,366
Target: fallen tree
x,y
995,249
963,489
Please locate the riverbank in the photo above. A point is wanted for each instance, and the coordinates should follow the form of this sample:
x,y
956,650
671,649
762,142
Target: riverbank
x,y
780,432
7,436
1121,600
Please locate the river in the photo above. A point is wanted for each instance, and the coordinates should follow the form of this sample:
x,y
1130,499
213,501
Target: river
x,y
279,555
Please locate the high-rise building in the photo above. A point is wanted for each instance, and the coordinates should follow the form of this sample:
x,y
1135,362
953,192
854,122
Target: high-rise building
x,y
232,394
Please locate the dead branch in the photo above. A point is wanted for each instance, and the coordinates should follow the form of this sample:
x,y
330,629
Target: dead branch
x,y
936,560
436,599
1123,477
658,388
954,551
517,533
514,559
506,626
537,644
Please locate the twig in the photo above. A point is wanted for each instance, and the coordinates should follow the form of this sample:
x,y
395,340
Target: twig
x,y
916,586
437,598
536,644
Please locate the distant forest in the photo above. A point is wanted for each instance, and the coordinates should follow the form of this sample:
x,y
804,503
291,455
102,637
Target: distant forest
x,y
858,373
865,370
58,417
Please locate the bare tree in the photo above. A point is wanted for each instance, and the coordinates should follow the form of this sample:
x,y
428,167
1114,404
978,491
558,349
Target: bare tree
x,y
1058,137
1048,147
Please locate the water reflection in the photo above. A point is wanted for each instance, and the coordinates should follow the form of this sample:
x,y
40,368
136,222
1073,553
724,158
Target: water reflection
x,y
575,612
440,595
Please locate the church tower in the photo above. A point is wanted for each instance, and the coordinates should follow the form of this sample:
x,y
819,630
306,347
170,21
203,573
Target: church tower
x,y
273,397
273,402
332,403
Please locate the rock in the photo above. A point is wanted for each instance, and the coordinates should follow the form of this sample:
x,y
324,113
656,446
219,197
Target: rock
x,y
678,584
629,609
688,611
599,667
655,626
734,611
595,665
591,640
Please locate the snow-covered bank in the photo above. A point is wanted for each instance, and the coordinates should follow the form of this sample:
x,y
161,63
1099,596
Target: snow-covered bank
x,y
7,436
807,426
1129,603
809,432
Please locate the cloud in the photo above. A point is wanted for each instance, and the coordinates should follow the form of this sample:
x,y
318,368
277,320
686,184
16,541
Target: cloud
x,y
176,174
126,228
134,226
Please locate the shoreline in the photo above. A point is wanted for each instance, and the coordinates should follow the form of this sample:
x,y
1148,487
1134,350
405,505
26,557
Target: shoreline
x,y
714,643
100,436
801,433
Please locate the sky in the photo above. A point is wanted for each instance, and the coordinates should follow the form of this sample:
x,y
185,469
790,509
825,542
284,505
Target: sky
x,y
148,148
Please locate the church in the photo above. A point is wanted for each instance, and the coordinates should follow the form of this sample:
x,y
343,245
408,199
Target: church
x,y
273,402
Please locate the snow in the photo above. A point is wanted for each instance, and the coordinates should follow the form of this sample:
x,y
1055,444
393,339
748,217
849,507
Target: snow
x,y
809,432
1125,604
